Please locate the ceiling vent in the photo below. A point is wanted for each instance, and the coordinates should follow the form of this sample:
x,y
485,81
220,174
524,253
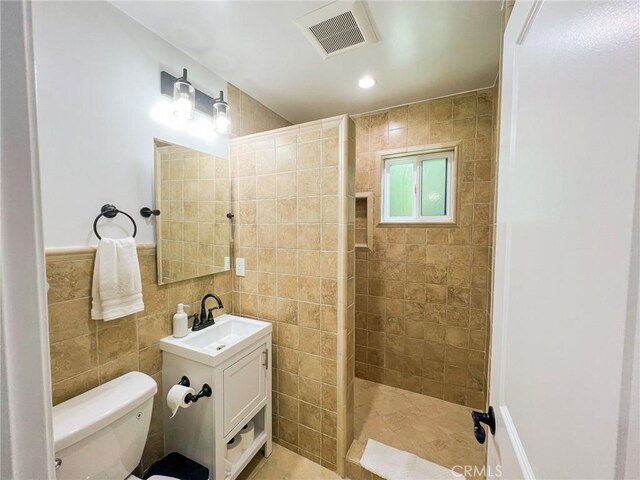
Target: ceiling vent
x,y
338,27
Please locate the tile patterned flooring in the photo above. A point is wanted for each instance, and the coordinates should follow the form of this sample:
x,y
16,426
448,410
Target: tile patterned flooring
x,y
283,464
430,428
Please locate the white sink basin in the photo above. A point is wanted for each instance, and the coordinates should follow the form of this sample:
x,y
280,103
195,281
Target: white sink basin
x,y
218,342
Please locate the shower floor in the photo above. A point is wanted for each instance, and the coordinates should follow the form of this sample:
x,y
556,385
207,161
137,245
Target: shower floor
x,y
430,428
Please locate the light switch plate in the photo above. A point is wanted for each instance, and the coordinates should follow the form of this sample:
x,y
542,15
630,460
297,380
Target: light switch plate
x,y
227,263
239,267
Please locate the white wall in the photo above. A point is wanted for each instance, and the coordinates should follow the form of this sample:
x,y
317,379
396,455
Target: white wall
x,y
98,86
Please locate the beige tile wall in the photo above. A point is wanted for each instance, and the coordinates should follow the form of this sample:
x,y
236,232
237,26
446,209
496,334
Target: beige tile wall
x,y
194,193
248,116
293,192
86,353
422,293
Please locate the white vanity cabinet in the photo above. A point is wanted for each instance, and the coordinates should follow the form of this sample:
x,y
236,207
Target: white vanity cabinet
x,y
234,359
244,387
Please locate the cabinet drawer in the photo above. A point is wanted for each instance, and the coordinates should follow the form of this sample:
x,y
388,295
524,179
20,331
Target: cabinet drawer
x,y
244,386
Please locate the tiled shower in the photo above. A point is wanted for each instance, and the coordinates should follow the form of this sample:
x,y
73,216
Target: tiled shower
x,y
422,292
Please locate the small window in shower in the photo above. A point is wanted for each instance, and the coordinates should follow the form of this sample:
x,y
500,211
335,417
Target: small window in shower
x,y
419,187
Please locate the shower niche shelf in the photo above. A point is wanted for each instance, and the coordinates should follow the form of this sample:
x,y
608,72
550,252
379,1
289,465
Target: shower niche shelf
x,y
364,221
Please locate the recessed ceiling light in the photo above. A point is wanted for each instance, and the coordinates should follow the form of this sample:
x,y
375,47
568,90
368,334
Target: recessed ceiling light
x,y
366,82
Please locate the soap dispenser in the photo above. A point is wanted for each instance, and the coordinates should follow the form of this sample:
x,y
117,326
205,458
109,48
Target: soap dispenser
x,y
180,322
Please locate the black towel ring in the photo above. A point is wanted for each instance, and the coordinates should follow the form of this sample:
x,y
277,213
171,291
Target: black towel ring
x,y
110,211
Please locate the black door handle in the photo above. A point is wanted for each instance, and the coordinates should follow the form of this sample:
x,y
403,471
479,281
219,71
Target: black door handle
x,y
488,419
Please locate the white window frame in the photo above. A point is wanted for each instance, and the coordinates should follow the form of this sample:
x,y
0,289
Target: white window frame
x,y
417,156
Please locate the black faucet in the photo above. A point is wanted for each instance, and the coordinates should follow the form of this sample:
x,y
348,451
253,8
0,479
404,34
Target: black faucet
x,y
206,320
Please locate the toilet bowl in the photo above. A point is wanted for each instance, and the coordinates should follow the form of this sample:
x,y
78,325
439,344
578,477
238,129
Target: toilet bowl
x,y
101,434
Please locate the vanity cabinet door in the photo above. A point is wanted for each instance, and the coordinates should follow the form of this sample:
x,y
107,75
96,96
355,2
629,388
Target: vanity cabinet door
x,y
244,387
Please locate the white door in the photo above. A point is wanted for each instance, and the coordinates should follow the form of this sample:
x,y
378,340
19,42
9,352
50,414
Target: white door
x,y
566,244
26,433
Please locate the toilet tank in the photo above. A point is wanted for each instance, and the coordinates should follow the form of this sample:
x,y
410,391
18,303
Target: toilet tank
x,y
101,434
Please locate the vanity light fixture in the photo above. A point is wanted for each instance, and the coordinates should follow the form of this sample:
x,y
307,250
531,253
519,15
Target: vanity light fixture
x,y
184,97
187,99
221,114
366,82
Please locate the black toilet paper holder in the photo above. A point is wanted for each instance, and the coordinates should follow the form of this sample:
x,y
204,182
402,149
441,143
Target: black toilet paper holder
x,y
205,391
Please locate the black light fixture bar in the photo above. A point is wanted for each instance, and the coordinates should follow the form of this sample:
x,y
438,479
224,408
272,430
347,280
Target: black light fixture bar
x,y
204,102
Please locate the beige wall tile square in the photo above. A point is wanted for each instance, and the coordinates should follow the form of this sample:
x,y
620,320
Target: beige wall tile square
x,y
152,328
311,366
309,315
71,387
311,416
73,357
70,319
118,367
117,341
310,391
309,183
309,155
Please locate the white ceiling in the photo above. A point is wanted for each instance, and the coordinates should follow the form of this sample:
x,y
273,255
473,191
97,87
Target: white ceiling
x,y
427,49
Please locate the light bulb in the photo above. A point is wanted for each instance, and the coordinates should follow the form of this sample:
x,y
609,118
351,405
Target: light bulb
x,y
221,114
184,98
183,109
222,123
366,82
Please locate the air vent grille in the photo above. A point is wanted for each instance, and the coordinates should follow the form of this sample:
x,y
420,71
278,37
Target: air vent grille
x,y
338,33
338,27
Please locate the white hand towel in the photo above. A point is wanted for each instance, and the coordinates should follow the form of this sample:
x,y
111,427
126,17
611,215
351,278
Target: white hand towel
x,y
117,287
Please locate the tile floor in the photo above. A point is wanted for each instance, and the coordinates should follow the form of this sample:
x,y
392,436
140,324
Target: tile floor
x,y
283,464
433,429
430,428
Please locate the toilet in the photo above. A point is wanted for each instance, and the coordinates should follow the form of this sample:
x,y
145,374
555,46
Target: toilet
x,y
101,433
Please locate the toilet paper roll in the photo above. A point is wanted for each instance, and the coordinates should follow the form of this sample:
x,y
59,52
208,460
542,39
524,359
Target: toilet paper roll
x,y
234,449
176,398
247,433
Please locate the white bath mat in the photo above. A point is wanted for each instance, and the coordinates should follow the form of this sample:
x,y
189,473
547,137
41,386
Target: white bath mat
x,y
393,464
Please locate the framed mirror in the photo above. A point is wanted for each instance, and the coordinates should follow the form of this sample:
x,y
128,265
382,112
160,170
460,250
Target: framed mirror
x,y
193,195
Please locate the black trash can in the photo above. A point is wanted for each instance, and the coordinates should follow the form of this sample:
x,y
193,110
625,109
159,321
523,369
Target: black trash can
x,y
179,467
